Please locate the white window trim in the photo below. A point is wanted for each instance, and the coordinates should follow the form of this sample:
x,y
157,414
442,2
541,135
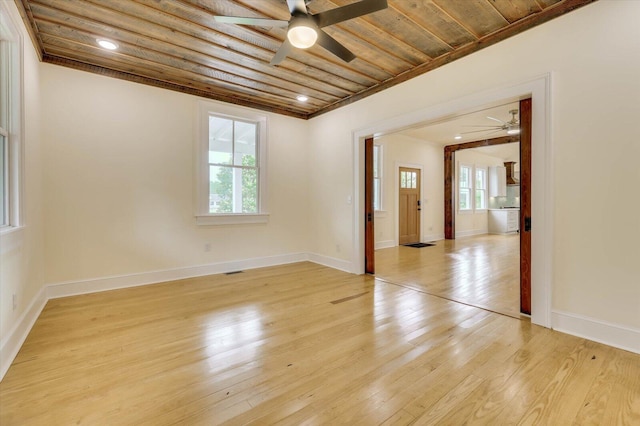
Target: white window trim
x,y
202,170
15,122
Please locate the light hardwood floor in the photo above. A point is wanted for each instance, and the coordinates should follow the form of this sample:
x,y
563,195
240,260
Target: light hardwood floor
x,y
481,271
305,344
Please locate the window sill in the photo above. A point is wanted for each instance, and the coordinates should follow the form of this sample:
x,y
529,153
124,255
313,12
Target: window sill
x,y
9,229
232,219
11,238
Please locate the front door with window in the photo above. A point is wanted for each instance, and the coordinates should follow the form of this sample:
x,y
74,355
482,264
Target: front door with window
x,y
409,209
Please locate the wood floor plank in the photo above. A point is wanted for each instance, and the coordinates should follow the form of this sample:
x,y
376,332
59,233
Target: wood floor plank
x,y
480,271
268,346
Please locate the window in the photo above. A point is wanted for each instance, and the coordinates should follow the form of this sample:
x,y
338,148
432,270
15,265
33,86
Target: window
x,y
464,188
377,177
472,188
231,175
10,119
481,189
408,179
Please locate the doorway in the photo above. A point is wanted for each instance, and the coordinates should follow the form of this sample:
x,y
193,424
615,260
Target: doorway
x,y
525,195
409,205
542,208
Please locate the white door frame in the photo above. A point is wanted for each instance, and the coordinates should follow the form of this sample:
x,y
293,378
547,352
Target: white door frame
x,y
542,236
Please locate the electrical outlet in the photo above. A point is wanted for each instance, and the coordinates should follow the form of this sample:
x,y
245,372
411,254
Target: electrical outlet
x,y
337,248
15,301
207,247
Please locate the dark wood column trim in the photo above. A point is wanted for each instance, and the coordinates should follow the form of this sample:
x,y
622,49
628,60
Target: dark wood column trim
x,y
449,222
369,235
525,206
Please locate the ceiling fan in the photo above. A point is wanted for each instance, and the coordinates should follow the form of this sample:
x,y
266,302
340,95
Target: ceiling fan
x,y
305,29
512,126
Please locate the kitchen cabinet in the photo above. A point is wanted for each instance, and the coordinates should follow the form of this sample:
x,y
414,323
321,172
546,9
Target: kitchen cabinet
x,y
497,181
504,221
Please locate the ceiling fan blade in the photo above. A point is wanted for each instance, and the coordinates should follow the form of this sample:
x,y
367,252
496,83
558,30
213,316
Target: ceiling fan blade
x,y
483,130
482,125
282,52
261,22
297,6
329,43
350,11
495,119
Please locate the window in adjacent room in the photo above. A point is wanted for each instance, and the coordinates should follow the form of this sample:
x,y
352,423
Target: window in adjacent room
x,y
231,166
481,189
10,119
377,177
465,188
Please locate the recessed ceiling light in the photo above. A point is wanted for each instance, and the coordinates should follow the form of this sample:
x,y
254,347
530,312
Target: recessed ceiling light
x,y
457,137
107,44
302,98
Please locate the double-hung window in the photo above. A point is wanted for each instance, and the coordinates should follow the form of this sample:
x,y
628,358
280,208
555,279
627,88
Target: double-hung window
x,y
10,119
472,188
231,166
465,186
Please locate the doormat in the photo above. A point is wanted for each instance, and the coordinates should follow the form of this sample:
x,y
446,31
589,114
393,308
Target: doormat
x,y
419,245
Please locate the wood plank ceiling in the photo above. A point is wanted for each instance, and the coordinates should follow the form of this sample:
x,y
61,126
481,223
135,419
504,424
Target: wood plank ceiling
x,y
177,44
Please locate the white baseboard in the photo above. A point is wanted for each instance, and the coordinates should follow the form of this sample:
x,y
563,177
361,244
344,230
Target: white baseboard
x,y
432,237
13,340
72,288
385,244
331,262
470,233
616,335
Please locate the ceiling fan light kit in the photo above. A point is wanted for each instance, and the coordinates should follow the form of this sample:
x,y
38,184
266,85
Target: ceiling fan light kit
x,y
301,33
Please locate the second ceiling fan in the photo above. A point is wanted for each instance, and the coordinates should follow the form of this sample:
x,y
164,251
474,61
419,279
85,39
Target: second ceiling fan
x,y
305,29
512,126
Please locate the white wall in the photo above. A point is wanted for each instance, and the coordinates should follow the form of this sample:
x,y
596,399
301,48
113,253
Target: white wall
x,y
119,183
474,222
406,151
593,54
21,250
